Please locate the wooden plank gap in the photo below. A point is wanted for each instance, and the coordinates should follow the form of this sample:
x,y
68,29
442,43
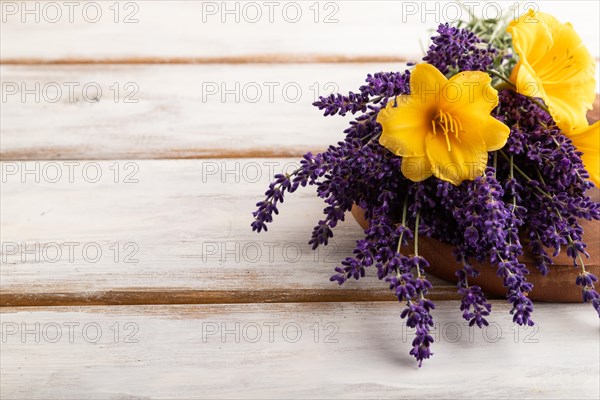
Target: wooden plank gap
x,y
74,154
237,59
234,60
174,297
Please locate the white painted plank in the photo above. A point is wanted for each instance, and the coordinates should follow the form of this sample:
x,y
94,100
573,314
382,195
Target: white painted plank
x,y
163,30
361,351
185,222
180,111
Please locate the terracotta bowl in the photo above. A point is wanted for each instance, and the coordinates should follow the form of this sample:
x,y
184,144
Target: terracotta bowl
x,y
557,286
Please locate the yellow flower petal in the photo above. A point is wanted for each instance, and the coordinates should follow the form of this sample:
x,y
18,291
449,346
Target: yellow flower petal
x,y
416,169
466,160
528,83
469,93
566,116
405,126
532,34
555,66
426,83
587,140
493,132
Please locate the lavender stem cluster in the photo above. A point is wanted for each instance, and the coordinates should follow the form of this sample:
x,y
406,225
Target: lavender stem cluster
x,y
534,188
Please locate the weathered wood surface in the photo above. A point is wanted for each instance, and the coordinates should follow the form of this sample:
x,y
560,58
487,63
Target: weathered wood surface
x,y
361,351
175,232
201,31
183,111
182,233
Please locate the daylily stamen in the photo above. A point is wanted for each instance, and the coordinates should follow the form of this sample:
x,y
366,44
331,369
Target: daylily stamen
x,y
449,125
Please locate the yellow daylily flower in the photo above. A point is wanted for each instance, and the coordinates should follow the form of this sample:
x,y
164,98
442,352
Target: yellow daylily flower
x,y
587,140
444,127
555,66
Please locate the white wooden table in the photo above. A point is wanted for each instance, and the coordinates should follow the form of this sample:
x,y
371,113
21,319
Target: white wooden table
x,y
128,266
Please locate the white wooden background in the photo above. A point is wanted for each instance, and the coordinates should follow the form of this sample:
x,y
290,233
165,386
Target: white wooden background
x,y
180,171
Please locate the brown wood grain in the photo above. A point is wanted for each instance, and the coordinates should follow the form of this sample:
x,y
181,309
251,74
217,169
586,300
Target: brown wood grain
x,y
237,59
74,153
233,60
151,296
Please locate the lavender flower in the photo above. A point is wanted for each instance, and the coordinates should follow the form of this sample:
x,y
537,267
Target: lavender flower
x,y
535,187
539,149
379,89
418,316
455,49
474,304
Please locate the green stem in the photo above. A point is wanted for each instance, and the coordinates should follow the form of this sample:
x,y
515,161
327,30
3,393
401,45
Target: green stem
x,y
404,212
417,220
583,270
569,238
524,175
571,243
502,77
288,176
512,175
371,138
466,275
540,105
376,99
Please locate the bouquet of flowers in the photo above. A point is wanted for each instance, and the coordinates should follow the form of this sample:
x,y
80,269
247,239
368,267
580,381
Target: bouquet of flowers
x,y
483,145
